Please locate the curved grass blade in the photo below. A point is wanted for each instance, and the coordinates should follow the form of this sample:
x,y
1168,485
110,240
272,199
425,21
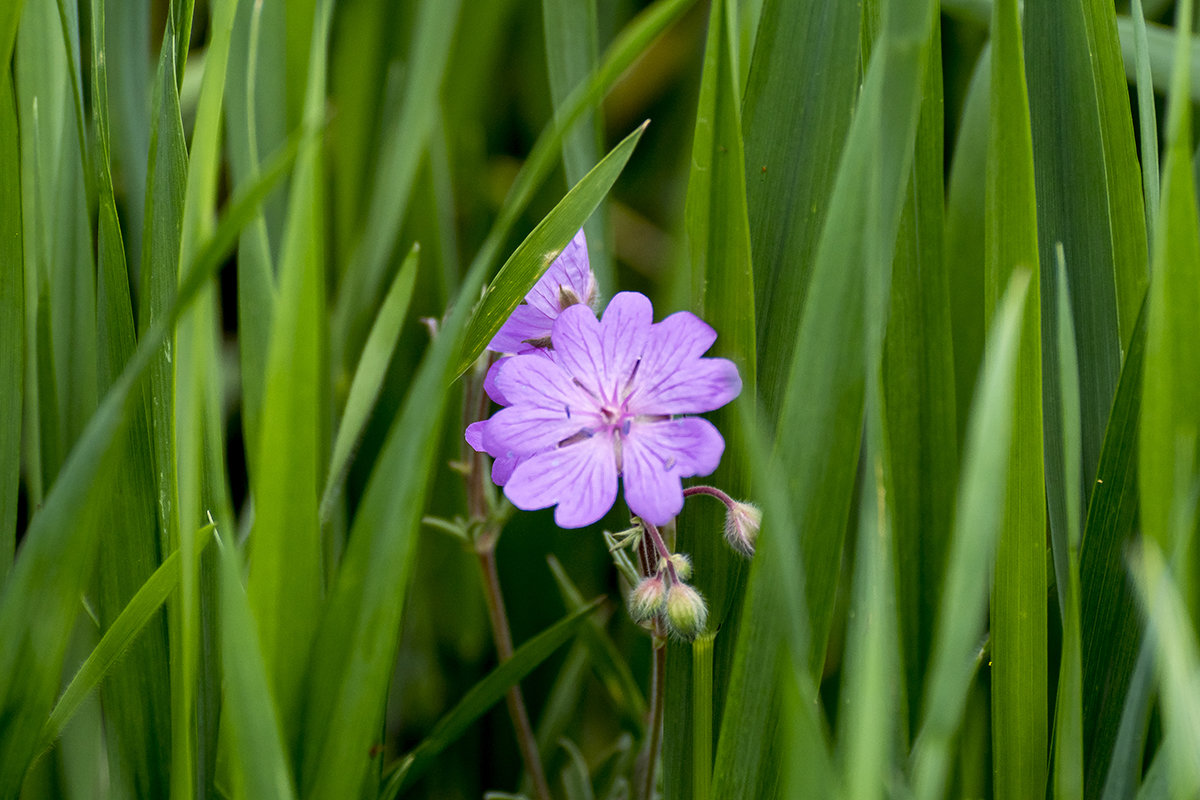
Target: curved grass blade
x,y
117,640
527,263
368,379
480,698
981,498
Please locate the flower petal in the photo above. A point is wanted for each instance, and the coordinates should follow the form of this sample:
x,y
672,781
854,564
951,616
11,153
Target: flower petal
x,y
581,479
703,385
526,322
502,469
601,354
537,379
489,382
655,455
525,429
569,271
474,435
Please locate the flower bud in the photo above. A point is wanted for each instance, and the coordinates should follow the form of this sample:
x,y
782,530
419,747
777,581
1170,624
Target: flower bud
x,y
741,527
687,613
646,600
682,564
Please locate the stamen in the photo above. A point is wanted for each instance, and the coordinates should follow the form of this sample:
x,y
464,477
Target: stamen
x,y
592,394
567,297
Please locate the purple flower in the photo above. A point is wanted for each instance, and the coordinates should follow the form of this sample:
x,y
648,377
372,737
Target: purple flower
x,y
603,404
568,281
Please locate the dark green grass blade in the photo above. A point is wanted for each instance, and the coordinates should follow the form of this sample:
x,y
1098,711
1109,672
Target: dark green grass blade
x,y
919,392
285,584
1073,212
136,694
1068,714
977,526
722,293
1111,633
368,379
527,263
359,630
1147,118
792,149
1018,612
12,320
256,742
1125,767
120,637
403,147
572,51
480,698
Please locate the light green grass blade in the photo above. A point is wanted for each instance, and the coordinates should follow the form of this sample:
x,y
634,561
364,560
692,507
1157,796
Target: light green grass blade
x,y
1018,612
12,320
480,698
792,148
527,263
285,584
358,634
1170,424
1178,656
1147,118
1128,751
722,292
403,147
572,50
368,379
1068,713
919,392
1071,176
119,638
977,526
256,742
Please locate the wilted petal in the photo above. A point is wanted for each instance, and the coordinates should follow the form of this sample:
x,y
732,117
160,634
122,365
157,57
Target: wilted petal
x,y
526,323
601,354
581,479
703,385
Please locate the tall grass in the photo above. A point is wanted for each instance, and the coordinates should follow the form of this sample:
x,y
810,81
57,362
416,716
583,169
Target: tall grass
x,y
252,253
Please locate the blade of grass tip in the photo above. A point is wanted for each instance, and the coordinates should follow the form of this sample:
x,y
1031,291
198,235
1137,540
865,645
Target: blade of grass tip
x,y
136,695
12,321
117,640
1170,395
919,392
722,293
792,149
1147,117
1179,662
527,263
368,379
572,50
1068,715
257,747
1129,740
402,150
286,580
356,643
480,698
981,498
577,783
1018,612
1068,151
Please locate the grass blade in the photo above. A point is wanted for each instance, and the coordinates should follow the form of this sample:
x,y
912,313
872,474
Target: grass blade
x,y
12,320
1018,612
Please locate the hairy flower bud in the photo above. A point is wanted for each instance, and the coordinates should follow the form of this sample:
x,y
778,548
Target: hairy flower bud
x,y
687,613
647,598
741,527
682,564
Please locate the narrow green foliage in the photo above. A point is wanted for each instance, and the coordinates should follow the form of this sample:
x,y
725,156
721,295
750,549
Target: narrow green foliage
x,y
1147,119
12,313
1019,644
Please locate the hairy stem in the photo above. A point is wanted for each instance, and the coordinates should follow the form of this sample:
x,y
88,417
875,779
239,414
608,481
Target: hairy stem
x,y
648,759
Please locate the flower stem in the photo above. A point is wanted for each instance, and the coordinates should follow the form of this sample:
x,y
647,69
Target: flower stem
x,y
648,761
661,547
711,491
502,636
